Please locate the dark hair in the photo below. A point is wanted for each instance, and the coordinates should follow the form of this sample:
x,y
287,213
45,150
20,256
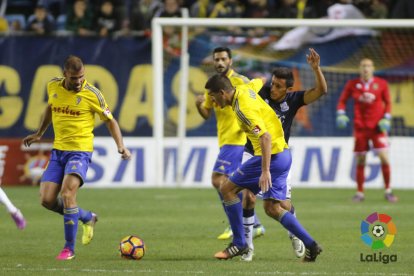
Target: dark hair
x,y
218,82
284,73
72,63
222,49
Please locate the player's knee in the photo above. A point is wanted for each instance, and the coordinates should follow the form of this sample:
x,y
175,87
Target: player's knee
x,y
47,203
274,210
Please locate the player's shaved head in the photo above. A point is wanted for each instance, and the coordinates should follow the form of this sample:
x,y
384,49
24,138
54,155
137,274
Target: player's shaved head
x,y
73,63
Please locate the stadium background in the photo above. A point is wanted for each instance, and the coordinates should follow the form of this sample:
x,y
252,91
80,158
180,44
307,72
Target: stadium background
x,y
121,68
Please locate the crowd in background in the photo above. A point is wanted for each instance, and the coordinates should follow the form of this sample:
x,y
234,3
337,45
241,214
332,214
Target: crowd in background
x,y
129,17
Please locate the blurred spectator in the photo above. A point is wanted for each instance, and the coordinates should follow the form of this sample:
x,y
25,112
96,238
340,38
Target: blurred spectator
x,y
378,10
228,9
142,13
317,8
4,26
201,8
403,9
80,18
107,21
259,9
40,22
286,9
171,8
171,35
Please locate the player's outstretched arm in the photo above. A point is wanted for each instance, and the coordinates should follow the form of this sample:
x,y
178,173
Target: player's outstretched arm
x,y
321,87
204,112
115,131
44,124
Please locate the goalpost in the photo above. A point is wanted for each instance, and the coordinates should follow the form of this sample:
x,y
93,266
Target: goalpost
x,y
158,58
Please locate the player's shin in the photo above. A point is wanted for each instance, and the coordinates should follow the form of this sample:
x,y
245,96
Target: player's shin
x,y
70,219
248,222
293,225
234,213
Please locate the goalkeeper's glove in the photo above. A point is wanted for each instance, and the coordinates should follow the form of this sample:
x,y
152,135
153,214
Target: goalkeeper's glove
x,y
341,119
385,123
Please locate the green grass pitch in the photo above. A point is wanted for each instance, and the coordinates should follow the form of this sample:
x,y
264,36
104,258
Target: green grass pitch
x,y
180,227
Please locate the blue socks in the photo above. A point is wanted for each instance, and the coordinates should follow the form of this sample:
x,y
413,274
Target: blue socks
x,y
84,215
293,225
234,212
70,220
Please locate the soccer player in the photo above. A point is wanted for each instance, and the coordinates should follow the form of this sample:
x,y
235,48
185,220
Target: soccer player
x,y
372,122
267,170
231,138
285,105
72,105
15,213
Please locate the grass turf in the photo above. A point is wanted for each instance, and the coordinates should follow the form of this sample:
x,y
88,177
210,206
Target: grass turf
x,y
180,227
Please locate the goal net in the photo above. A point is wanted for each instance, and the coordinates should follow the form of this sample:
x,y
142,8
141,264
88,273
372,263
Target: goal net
x,y
182,61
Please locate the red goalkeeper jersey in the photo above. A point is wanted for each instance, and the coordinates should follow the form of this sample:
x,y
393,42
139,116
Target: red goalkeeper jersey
x,y
371,101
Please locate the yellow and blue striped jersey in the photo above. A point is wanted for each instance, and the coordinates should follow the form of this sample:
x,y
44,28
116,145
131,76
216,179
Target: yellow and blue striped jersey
x,y
73,115
228,131
256,117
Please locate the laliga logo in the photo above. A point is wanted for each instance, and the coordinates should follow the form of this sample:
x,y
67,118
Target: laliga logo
x,y
378,231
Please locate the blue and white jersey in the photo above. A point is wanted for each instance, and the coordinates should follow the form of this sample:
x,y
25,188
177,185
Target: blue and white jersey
x,y
285,109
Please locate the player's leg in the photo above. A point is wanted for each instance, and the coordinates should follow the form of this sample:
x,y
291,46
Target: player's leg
x,y
70,186
249,202
233,206
51,184
297,244
279,169
228,160
15,213
380,143
216,180
361,148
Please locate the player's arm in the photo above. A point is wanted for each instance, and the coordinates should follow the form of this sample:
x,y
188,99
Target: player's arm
x,y
115,131
321,87
265,180
44,124
201,107
341,118
385,123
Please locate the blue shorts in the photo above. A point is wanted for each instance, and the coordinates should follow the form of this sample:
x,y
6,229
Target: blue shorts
x,y
247,176
62,163
229,159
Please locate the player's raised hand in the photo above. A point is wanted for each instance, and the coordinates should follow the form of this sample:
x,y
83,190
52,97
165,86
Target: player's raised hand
x,y
200,99
313,58
30,139
265,181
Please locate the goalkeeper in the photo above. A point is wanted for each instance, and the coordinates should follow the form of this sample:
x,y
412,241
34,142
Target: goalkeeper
x,y
372,122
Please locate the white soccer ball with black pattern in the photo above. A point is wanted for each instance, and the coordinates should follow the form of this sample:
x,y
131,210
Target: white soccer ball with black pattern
x,y
378,231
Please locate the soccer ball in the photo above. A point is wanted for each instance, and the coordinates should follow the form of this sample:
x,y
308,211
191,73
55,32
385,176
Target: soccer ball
x,y
378,231
132,247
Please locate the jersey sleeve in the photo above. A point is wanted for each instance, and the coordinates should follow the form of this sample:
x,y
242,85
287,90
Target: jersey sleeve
x,y
100,106
255,85
386,98
208,103
248,112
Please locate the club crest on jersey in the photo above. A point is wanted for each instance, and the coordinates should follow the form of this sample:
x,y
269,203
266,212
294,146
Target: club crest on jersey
x,y
284,107
78,100
55,96
375,86
256,130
